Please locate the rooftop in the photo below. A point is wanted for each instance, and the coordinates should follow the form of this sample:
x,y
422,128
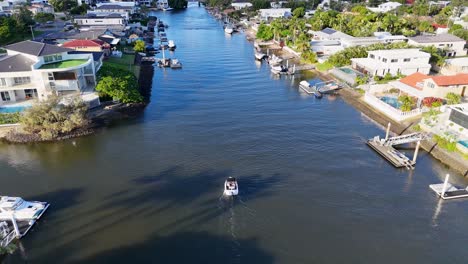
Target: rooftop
x,y
96,55
36,48
458,79
15,63
400,53
105,7
80,43
436,38
457,61
62,64
413,80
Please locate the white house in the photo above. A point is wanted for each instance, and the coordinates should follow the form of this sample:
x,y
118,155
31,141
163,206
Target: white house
x,y
105,10
34,70
454,66
403,61
452,45
241,5
385,7
95,20
266,14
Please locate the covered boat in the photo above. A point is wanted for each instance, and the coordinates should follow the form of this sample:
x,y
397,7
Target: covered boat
x,y
21,209
230,187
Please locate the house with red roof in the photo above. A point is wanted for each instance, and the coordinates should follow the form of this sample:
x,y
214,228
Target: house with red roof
x,y
421,85
95,45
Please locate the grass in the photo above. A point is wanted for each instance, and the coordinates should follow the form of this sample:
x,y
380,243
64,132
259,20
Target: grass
x,y
63,64
124,63
324,66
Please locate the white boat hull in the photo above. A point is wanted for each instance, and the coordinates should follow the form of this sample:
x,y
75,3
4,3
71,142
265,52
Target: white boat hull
x,y
228,30
231,192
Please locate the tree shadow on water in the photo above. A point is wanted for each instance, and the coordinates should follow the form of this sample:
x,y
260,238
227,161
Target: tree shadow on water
x,y
186,247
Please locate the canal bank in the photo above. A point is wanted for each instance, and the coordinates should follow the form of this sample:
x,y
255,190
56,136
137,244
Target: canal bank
x,y
148,188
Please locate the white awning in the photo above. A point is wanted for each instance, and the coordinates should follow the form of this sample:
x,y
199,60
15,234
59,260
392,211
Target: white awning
x,y
115,41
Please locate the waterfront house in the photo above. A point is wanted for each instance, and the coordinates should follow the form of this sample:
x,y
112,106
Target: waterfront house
x,y
450,44
34,70
108,9
421,85
454,66
272,13
396,61
84,45
100,20
328,34
241,5
385,7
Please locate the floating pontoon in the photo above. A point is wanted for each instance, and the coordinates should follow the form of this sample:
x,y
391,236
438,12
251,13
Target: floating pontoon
x,y
447,191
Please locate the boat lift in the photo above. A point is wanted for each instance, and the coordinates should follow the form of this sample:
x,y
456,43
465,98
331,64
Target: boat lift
x,y
447,191
385,148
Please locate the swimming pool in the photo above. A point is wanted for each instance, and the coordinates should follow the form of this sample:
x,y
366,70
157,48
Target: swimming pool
x,y
347,70
12,109
393,101
464,143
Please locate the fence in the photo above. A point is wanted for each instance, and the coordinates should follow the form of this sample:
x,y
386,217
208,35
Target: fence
x,y
390,111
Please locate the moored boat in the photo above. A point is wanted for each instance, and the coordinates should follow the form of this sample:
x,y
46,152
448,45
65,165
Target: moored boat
x,y
176,64
280,69
20,209
228,29
274,60
171,45
259,55
231,187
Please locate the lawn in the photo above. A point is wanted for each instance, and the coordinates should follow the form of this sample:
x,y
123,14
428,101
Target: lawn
x,y
63,64
124,63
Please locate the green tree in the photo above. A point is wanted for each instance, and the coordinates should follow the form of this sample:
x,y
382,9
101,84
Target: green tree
x,y
264,32
299,12
139,46
52,118
260,4
44,17
118,85
79,10
63,5
407,103
23,18
453,98
178,4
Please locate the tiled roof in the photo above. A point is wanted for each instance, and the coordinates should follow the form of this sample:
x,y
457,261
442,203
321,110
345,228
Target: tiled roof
x,y
106,7
80,43
458,79
15,63
36,48
413,79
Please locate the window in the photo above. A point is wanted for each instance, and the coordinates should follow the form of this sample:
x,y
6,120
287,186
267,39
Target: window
x,y
22,80
48,59
2,82
431,85
384,59
30,93
441,45
372,56
406,59
394,60
5,96
459,118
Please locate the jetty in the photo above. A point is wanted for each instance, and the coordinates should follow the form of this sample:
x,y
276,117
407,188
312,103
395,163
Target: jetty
x,y
447,191
385,147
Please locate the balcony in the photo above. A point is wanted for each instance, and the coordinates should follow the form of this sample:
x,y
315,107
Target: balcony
x,y
63,64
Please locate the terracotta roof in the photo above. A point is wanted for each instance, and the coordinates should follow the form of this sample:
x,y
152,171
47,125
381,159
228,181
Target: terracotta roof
x,y
413,79
80,43
458,79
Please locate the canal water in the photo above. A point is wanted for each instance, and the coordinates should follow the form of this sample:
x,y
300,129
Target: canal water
x,y
149,190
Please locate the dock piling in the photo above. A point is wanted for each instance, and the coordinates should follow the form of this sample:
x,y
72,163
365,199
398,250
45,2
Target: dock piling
x,y
416,151
15,226
442,194
388,131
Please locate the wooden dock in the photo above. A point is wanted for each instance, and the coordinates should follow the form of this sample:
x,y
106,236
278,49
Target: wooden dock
x,y
392,155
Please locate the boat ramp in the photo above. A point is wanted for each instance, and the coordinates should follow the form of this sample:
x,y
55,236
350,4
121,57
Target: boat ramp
x,y
385,147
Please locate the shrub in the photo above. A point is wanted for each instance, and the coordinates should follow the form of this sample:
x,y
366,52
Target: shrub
x,y
449,145
417,128
118,84
9,118
52,118
139,46
407,103
430,101
453,98
360,80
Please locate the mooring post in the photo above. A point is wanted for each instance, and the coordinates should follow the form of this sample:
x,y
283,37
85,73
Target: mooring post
x,y
445,186
15,226
388,131
416,151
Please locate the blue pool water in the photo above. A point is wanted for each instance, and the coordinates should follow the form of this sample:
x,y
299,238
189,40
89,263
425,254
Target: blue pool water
x,y
464,143
391,101
12,109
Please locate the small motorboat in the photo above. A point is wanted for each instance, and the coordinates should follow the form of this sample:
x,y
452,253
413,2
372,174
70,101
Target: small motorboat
x,y
164,63
176,64
230,187
259,55
274,60
329,88
171,45
228,29
21,209
279,69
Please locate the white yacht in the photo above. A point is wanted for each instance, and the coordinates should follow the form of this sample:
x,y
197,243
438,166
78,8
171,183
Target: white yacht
x,y
228,29
21,209
171,45
176,64
274,60
259,55
230,187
